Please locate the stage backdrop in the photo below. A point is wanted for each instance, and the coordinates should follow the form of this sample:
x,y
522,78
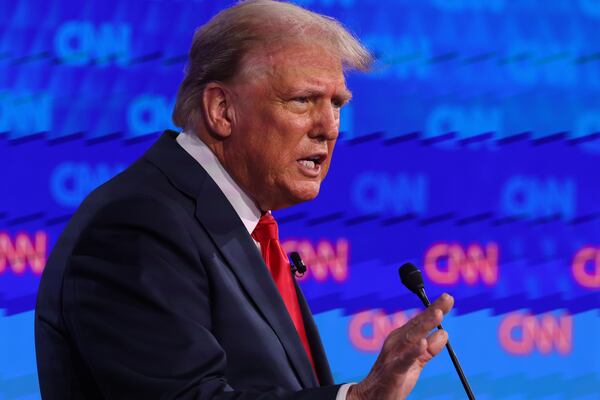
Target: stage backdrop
x,y
471,150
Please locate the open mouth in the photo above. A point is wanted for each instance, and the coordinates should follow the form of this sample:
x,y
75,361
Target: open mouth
x,y
312,162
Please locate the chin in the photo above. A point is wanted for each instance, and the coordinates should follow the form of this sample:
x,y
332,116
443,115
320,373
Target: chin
x,y
299,195
307,194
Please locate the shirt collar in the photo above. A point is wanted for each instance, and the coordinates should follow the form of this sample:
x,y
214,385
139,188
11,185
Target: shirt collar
x,y
243,205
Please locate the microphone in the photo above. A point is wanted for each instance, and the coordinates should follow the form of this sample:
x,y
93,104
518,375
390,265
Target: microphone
x,y
411,278
297,264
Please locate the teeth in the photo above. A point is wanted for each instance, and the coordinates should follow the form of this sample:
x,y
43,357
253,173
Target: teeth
x,y
308,163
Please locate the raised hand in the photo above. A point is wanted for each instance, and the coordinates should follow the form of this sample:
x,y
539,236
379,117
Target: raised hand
x,y
405,352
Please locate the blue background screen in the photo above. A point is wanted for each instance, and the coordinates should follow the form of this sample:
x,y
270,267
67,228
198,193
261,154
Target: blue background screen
x,y
471,150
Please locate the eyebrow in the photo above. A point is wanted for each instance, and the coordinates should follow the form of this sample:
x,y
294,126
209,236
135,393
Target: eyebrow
x,y
344,95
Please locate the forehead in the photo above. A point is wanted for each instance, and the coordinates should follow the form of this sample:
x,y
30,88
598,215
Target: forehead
x,y
293,65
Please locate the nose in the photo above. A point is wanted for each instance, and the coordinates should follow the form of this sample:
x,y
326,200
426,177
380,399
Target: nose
x,y
326,122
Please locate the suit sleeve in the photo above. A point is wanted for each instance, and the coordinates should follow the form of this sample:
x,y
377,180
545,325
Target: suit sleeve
x,y
137,303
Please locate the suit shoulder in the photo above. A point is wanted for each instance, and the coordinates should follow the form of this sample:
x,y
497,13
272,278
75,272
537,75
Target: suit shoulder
x,y
138,198
140,179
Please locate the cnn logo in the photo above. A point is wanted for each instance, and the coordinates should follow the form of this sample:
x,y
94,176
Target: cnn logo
x,y
523,333
323,259
368,329
449,263
23,250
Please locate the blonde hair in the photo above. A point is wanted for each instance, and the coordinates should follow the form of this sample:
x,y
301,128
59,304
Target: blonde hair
x,y
219,46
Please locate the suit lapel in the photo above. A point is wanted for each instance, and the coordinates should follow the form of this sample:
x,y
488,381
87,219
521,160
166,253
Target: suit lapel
x,y
314,339
231,238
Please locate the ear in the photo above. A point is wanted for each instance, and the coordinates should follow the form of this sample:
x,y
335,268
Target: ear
x,y
217,109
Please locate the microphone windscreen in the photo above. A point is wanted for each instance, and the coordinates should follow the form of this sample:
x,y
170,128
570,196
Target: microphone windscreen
x,y
411,277
297,262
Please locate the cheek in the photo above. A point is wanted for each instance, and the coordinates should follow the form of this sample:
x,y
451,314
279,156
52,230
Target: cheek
x,y
325,167
331,145
283,137
283,146
275,156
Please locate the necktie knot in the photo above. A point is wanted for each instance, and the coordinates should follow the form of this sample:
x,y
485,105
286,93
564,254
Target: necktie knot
x,y
266,229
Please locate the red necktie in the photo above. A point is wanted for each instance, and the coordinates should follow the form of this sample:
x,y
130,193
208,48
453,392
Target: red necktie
x,y
267,234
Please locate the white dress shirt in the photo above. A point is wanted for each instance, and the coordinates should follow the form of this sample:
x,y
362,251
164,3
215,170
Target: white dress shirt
x,y
243,205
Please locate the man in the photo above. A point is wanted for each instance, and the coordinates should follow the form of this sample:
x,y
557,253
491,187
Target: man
x,y
169,281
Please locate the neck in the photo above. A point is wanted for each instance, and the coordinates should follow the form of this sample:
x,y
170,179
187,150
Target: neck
x,y
218,147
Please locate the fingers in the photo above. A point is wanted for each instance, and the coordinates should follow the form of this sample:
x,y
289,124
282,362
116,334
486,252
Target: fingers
x,y
405,352
444,303
405,359
412,340
436,342
420,325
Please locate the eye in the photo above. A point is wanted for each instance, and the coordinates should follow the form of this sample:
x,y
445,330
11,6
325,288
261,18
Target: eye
x,y
301,99
337,103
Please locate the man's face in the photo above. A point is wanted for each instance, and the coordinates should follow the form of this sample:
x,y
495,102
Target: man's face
x,y
285,123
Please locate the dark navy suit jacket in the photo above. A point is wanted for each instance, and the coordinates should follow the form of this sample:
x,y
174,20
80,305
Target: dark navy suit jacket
x,y
155,290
